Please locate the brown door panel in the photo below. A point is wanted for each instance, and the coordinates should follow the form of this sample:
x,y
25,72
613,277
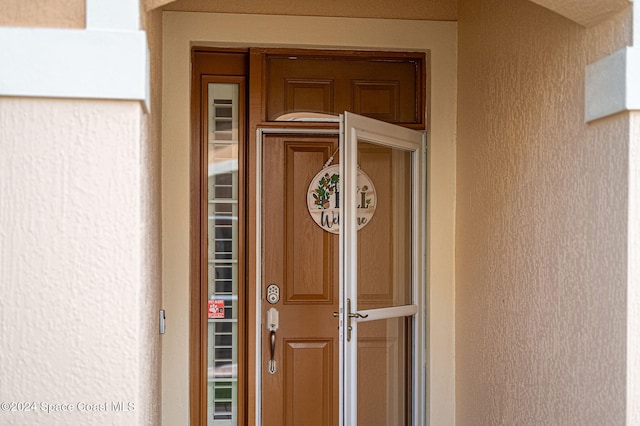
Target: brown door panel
x,y
302,260
388,86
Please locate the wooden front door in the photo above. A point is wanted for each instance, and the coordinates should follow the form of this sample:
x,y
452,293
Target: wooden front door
x,y
301,260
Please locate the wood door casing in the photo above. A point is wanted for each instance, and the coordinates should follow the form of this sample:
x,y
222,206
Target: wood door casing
x,y
231,66
250,63
302,259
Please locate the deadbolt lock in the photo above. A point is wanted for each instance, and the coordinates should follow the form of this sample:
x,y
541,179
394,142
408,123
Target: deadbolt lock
x,y
273,294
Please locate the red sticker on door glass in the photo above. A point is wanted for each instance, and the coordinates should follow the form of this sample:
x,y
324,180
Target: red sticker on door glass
x,y
216,308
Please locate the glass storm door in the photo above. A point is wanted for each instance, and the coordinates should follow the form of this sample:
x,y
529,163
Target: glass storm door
x,y
340,275
382,272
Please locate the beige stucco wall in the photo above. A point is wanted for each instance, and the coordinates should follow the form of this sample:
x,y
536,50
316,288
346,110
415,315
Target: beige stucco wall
x,y
541,223
80,242
43,13
78,262
585,12
151,225
633,302
180,31
441,10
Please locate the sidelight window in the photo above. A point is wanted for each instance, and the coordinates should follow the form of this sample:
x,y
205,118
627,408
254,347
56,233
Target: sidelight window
x,y
222,254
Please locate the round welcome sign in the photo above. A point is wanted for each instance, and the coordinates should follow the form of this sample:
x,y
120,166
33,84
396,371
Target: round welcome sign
x,y
323,199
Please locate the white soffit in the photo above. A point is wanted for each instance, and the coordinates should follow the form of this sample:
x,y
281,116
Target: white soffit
x,y
153,4
612,84
584,12
113,14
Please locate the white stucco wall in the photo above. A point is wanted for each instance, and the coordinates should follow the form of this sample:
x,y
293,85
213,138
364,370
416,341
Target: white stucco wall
x,y
78,311
180,31
541,230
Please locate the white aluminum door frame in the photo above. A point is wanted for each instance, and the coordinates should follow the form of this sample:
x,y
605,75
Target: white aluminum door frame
x,y
353,129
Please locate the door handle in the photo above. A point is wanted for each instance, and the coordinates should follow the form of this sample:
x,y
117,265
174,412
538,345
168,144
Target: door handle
x,y
272,362
350,315
273,321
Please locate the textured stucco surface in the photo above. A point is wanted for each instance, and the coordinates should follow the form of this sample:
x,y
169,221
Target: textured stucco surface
x,y
437,10
43,13
78,314
541,223
151,204
585,12
633,303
